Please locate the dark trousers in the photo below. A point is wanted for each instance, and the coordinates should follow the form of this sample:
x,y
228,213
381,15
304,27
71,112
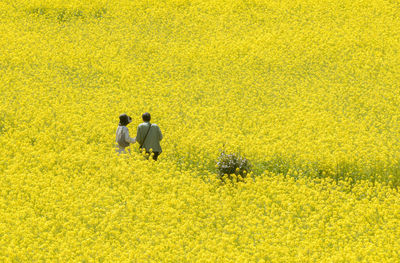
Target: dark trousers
x,y
155,155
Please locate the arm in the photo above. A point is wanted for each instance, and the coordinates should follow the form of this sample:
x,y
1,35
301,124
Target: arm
x,y
159,134
138,137
128,138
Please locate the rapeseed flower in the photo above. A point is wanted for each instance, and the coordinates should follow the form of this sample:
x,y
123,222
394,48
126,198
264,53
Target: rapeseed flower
x,y
307,91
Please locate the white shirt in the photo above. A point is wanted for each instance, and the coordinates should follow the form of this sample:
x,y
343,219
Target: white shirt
x,y
123,132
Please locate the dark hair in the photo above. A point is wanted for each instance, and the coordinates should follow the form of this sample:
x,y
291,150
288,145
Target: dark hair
x,y
146,116
124,120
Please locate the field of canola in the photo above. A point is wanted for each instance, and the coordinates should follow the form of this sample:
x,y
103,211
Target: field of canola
x,y
306,90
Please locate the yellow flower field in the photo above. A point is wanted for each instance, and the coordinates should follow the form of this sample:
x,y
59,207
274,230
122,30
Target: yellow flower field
x,y
306,90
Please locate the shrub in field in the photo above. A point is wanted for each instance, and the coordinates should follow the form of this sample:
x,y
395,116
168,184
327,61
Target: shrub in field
x,y
233,166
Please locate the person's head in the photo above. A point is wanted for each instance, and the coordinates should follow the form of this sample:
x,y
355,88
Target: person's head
x,y
124,120
146,117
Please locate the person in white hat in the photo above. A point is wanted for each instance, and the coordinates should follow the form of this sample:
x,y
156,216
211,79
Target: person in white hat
x,y
122,136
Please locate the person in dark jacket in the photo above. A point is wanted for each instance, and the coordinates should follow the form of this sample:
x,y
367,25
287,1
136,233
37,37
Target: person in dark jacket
x,y
149,136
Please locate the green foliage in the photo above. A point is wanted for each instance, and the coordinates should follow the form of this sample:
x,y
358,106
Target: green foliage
x,y
233,164
66,14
